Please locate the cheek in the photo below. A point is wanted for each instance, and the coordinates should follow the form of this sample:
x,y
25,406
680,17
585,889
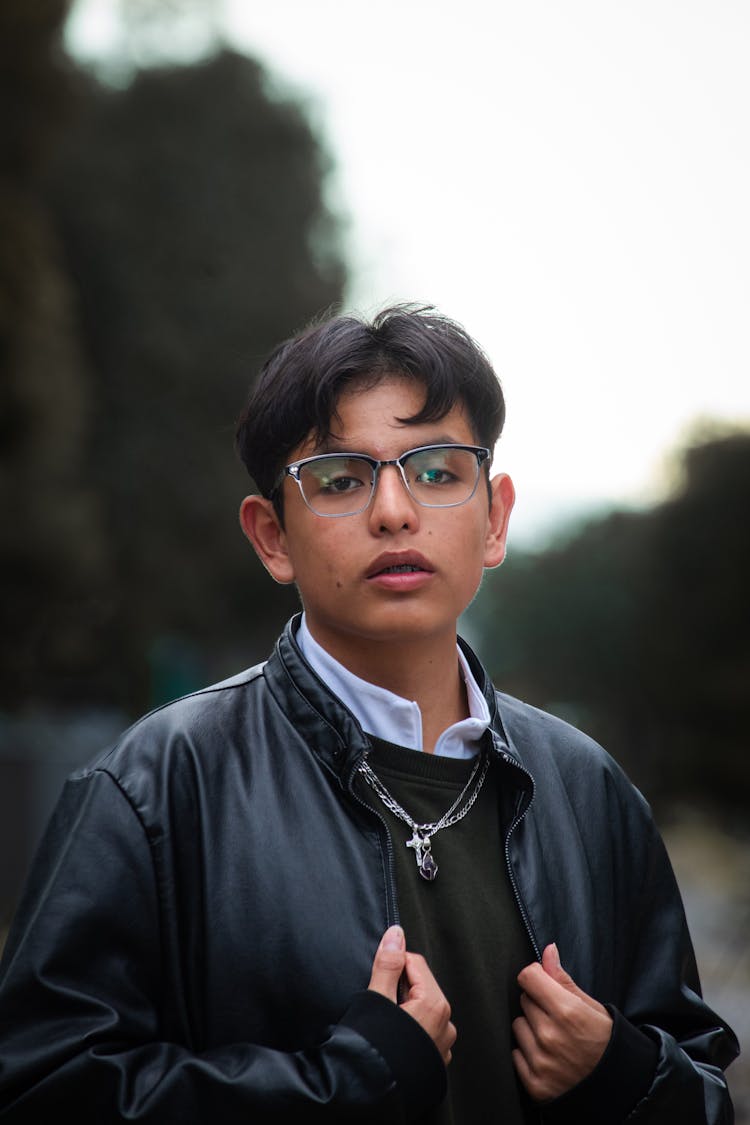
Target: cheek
x,y
472,557
319,560
468,543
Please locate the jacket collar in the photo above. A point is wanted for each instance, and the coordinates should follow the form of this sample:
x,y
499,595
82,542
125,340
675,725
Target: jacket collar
x,y
331,730
320,718
501,738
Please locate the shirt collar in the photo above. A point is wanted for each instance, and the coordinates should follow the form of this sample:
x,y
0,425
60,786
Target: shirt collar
x,y
391,717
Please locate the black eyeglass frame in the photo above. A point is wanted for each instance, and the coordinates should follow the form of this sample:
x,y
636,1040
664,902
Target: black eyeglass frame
x,y
481,453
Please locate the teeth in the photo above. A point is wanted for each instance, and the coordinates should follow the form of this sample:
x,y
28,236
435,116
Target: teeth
x,y
406,568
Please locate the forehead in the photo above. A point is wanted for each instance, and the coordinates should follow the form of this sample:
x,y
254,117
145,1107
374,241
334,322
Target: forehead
x,y
374,418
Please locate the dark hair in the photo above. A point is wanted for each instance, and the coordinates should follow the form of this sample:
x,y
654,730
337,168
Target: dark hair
x,y
300,383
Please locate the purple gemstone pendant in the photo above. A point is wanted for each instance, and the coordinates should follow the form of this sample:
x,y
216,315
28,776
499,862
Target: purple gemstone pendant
x,y
428,869
426,865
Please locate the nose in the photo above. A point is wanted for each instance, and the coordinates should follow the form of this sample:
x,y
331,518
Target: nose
x,y
392,508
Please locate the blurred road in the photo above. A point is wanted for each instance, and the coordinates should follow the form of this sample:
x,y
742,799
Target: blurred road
x,y
713,870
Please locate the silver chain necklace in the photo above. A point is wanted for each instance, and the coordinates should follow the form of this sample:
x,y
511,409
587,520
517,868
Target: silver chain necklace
x,y
421,840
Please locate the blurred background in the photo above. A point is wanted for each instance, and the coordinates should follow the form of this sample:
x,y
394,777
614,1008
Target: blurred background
x,y
185,183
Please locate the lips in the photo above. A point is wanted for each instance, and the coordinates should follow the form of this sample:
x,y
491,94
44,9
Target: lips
x,y
399,562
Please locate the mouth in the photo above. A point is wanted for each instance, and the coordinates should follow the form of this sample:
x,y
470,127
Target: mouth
x,y
395,564
406,568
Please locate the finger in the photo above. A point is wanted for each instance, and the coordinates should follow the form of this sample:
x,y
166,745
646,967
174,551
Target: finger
x,y
450,1039
531,1082
417,969
428,1005
419,977
524,1035
554,970
553,994
446,1041
552,966
534,1015
541,987
388,963
521,1064
551,960
423,988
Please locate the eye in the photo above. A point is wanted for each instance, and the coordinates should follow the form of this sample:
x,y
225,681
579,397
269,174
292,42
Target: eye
x,y
336,476
434,475
433,468
340,483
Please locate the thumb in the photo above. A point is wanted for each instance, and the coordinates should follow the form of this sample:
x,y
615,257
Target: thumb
x,y
552,966
389,962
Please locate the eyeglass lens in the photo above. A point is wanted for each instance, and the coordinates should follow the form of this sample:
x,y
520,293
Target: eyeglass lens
x,y
437,478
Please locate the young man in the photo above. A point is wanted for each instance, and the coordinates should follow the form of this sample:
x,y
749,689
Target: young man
x,y
343,885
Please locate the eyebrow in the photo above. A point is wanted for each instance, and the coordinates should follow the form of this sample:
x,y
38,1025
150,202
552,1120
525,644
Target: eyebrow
x,y
332,445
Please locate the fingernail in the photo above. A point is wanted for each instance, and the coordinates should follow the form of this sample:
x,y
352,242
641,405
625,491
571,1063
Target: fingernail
x,y
393,938
557,954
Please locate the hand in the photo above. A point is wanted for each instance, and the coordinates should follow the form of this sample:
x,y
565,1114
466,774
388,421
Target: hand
x,y
562,1033
424,1001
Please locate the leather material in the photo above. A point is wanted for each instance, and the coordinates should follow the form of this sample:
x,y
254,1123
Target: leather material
x,y
210,893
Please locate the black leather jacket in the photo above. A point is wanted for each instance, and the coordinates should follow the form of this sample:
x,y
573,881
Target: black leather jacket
x,y
198,929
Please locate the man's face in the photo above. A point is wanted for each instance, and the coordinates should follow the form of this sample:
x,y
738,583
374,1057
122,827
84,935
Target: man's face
x,y
343,567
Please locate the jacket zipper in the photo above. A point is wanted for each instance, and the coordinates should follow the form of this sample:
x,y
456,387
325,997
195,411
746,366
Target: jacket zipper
x,y
511,875
536,1110
392,913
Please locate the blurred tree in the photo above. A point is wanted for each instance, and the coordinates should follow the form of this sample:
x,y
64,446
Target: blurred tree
x,y
635,627
694,624
190,207
50,546
34,83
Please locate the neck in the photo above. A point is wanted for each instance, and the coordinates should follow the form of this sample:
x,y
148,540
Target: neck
x,y
425,671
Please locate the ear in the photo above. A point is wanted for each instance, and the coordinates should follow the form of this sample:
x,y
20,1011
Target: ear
x,y
503,496
261,525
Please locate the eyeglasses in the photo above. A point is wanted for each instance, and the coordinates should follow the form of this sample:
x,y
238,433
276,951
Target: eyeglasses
x,y
343,484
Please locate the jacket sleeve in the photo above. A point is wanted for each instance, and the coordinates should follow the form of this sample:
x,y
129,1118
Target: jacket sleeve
x,y
668,1050
83,1035
663,1000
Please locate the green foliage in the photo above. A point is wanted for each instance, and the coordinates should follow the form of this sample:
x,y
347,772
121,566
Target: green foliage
x,y
636,628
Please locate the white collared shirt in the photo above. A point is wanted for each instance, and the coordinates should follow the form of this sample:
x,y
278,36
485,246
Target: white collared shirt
x,y
391,717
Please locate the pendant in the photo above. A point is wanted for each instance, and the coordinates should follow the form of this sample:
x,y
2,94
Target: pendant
x,y
426,865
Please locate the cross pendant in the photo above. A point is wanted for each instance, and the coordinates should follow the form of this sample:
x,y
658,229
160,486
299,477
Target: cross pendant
x,y
422,846
417,843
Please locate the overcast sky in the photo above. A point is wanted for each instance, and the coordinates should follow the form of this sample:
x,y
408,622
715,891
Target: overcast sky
x,y
568,179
